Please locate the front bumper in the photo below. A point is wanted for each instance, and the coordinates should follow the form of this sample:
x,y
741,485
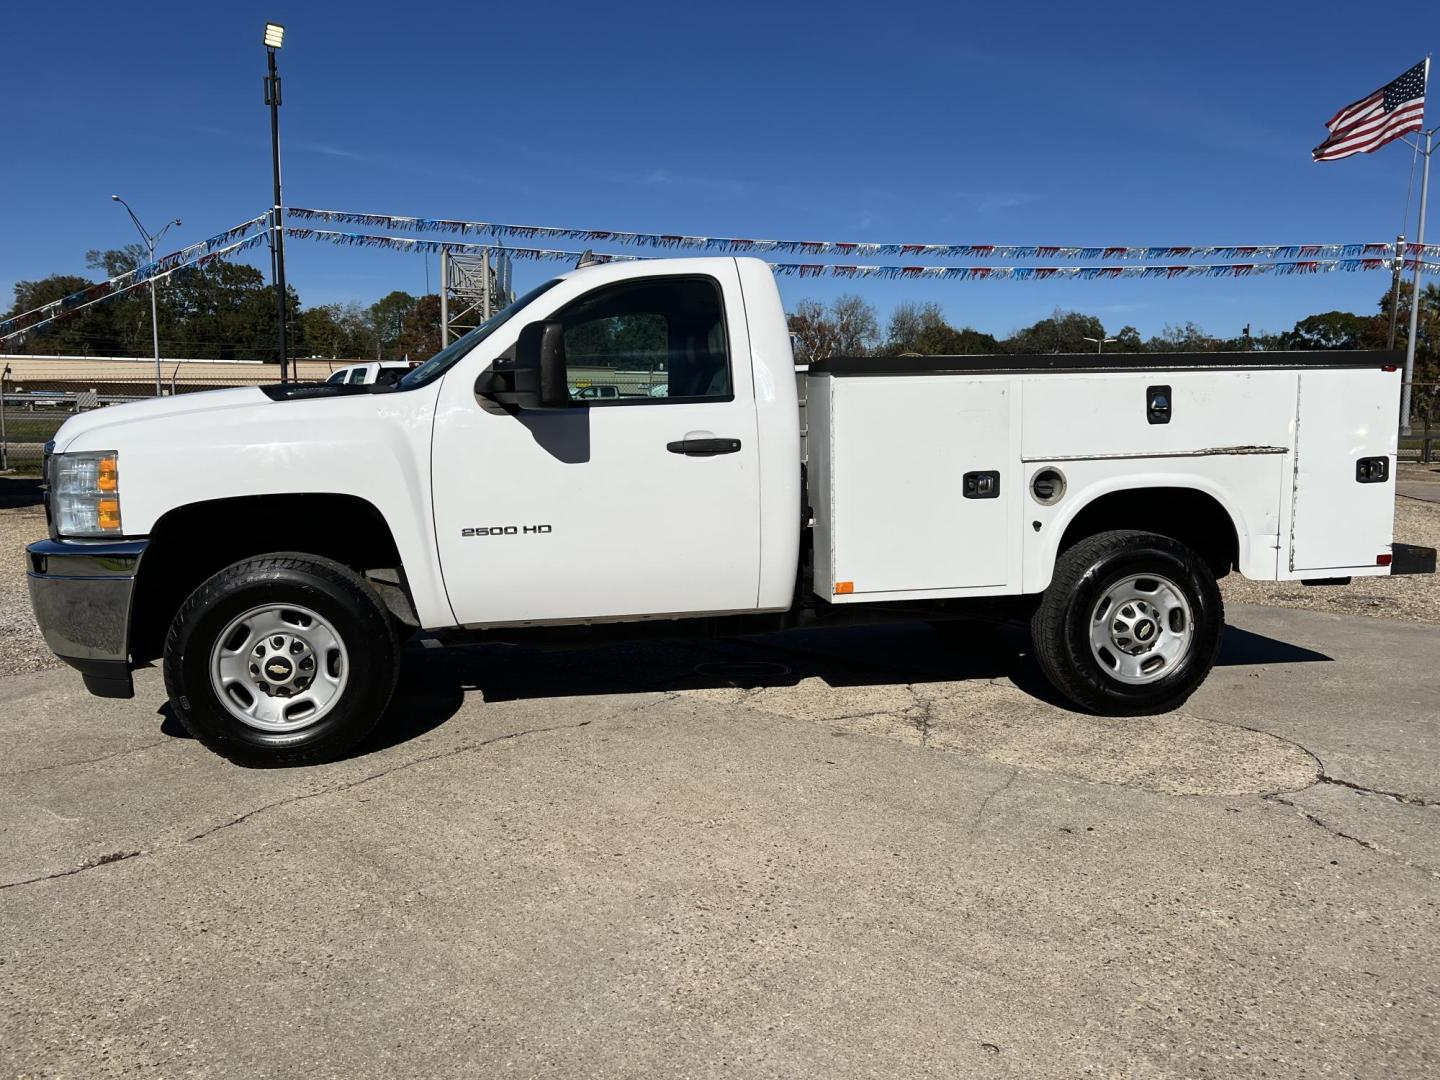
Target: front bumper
x,y
82,594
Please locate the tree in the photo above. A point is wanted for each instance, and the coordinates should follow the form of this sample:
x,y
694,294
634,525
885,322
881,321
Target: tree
x,y
98,330
848,327
1425,397
1187,337
113,262
856,328
338,330
420,329
1127,339
387,316
1062,332
1330,330
921,328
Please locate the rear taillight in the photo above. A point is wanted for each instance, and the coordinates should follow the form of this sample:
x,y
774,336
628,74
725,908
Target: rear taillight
x,y
1384,560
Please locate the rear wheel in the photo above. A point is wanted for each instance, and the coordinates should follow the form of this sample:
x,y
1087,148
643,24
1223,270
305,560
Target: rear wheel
x,y
1130,625
281,659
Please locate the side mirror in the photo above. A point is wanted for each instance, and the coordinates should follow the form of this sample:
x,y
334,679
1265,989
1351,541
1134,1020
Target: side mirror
x,y
535,377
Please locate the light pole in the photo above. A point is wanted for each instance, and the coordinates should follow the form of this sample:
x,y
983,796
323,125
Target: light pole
x,y
1101,341
4,443
150,242
274,38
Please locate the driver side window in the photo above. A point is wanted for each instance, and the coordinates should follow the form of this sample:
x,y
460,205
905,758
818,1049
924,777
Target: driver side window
x,y
648,341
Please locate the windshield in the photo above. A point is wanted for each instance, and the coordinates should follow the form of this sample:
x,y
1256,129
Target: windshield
x,y
447,357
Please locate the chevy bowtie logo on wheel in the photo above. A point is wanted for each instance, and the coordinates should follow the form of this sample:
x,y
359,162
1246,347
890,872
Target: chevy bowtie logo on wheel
x,y
278,669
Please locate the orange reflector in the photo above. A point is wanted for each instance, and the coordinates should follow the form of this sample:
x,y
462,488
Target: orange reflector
x,y
109,513
107,477
843,587
1383,560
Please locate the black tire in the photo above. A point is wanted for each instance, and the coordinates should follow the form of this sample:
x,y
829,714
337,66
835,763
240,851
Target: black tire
x,y
334,592
1060,627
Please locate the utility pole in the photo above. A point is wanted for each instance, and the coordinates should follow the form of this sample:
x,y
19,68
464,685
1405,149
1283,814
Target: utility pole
x,y
1395,289
1407,388
150,242
4,443
444,297
1101,341
274,38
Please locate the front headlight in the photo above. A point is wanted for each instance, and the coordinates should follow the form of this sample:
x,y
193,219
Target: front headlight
x,y
85,492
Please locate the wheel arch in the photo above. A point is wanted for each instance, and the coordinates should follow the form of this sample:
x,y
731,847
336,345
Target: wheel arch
x,y
190,542
1191,509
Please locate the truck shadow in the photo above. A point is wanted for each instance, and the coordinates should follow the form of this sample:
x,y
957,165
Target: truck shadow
x,y
434,682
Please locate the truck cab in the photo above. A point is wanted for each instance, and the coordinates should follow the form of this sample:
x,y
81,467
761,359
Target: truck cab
x,y
484,496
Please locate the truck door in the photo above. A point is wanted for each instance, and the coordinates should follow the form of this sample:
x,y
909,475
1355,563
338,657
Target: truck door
x,y
642,504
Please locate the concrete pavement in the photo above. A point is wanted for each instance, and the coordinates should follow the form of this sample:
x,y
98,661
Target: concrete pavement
x,y
880,852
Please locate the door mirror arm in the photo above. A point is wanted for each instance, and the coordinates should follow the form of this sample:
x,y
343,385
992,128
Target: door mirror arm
x,y
532,375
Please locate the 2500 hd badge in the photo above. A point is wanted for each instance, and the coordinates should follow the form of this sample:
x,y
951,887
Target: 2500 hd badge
x,y
505,530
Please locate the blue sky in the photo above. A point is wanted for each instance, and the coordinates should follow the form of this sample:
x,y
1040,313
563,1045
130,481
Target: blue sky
x,y
1122,123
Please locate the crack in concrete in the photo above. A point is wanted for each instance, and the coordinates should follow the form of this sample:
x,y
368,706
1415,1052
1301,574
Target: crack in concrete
x,y
1368,845
1398,796
88,761
88,864
120,856
454,751
985,804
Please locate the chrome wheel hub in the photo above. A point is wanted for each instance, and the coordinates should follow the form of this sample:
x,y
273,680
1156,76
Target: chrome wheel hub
x,y
278,667
1141,628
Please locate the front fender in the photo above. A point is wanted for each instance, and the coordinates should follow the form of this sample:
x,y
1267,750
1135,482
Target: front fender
x,y
375,447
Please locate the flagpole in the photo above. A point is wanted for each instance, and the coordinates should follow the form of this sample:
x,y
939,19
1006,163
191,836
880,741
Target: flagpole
x,y
1408,385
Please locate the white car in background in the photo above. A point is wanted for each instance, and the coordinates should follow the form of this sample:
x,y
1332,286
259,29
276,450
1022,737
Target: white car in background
x,y
375,371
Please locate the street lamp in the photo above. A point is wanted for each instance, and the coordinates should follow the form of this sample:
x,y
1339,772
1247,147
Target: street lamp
x,y
1101,342
274,38
150,242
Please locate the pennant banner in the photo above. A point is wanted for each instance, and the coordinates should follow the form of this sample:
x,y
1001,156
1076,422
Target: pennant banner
x,y
148,271
741,246
434,247
944,273
102,293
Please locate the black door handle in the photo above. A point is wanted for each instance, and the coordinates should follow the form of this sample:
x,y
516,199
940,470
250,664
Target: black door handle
x,y
703,447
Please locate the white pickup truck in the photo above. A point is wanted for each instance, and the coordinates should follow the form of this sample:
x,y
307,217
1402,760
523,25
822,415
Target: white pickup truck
x,y
272,544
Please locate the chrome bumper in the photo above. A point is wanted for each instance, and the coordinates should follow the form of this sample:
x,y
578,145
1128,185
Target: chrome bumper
x,y
82,594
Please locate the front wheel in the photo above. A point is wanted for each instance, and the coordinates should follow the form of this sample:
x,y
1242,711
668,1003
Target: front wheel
x,y
282,659
1130,625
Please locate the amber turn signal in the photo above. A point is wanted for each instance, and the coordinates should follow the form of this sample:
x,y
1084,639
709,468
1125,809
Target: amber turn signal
x,y
108,514
107,475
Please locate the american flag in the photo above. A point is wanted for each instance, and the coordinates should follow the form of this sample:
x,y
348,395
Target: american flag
x,y
1370,123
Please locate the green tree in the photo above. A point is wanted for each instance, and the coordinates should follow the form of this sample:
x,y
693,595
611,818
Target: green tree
x,y
1127,339
1062,332
98,330
387,317
921,328
420,329
1330,330
338,331
1185,337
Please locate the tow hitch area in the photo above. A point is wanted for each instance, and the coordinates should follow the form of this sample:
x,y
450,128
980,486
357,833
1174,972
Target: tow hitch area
x,y
1412,559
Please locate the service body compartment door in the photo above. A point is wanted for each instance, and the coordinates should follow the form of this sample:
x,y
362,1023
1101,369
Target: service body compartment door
x,y
1346,418
922,480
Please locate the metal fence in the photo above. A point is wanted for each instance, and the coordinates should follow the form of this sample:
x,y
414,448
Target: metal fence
x,y
38,395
